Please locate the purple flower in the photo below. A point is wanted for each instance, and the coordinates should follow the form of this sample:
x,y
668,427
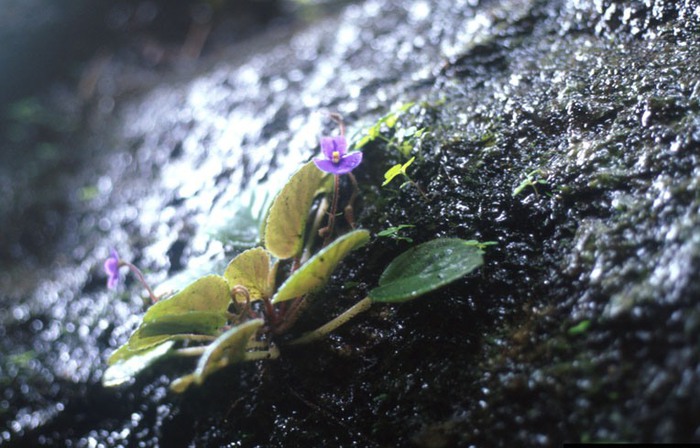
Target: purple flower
x,y
336,161
112,269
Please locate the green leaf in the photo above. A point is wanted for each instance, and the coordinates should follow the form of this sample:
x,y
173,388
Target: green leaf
x,y
396,170
210,293
122,353
391,120
177,327
198,310
405,106
314,274
194,322
579,328
362,142
251,269
393,232
531,179
286,220
406,148
391,173
229,348
425,268
181,384
480,245
122,371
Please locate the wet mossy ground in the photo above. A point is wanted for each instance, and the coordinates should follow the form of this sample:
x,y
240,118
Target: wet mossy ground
x,y
581,326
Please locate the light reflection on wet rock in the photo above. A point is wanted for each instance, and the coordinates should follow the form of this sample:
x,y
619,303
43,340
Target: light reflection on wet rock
x,y
603,96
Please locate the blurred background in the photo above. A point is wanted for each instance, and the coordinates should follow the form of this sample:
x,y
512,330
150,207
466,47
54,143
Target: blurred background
x,y
45,41
66,64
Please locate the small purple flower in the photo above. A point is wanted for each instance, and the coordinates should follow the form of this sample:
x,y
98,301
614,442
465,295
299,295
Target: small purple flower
x,y
336,161
112,269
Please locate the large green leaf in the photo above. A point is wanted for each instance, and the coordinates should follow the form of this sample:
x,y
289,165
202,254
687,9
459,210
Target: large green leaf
x,y
425,268
196,311
210,293
177,327
314,274
286,220
251,269
125,369
229,348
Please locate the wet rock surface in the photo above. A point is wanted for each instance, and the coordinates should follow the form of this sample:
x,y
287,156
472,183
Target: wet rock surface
x,y
581,326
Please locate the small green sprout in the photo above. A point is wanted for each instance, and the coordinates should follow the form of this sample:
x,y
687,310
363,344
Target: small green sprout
x,y
393,232
88,193
480,245
405,139
532,178
388,121
400,170
579,328
397,170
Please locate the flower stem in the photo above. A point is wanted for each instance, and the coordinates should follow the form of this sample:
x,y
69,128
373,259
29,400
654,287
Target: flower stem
x,y
139,276
320,332
270,312
349,210
334,209
315,230
335,116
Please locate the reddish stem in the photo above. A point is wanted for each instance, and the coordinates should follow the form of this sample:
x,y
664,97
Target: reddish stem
x,y
349,210
334,209
335,116
291,316
140,277
247,309
270,311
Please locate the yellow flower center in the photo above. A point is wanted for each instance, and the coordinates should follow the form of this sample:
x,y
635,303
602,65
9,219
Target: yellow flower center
x,y
336,157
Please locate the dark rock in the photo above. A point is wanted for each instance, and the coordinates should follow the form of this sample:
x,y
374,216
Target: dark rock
x,y
581,326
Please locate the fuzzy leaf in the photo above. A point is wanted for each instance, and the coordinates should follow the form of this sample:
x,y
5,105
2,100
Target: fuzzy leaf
x,y
229,348
425,268
122,371
314,274
286,220
251,269
393,232
396,170
199,309
210,293
177,327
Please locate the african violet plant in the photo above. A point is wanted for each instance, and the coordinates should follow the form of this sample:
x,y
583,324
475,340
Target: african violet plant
x,y
239,316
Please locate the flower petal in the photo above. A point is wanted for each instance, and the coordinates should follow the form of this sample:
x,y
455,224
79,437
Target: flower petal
x,y
113,281
348,163
111,266
326,165
329,145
